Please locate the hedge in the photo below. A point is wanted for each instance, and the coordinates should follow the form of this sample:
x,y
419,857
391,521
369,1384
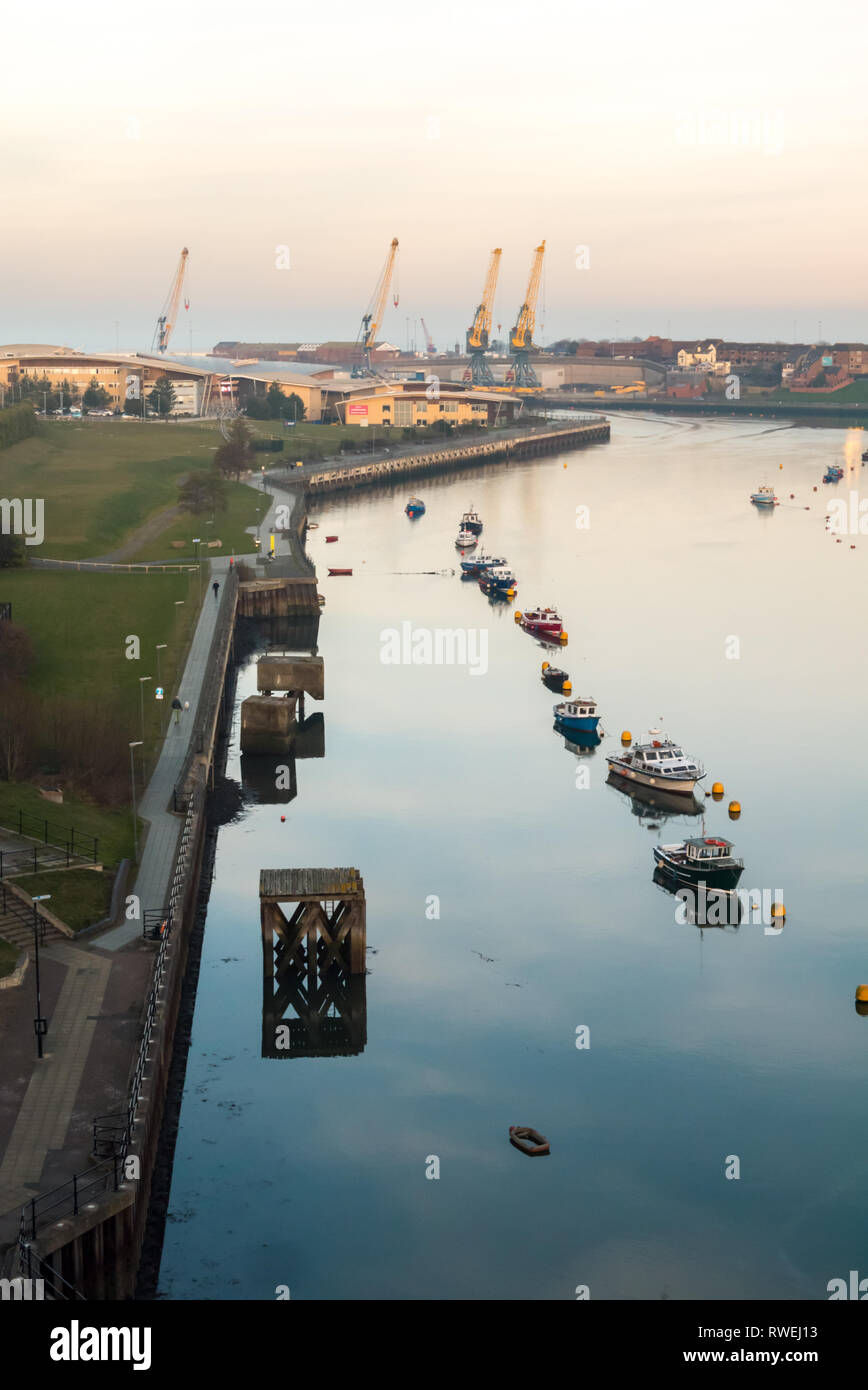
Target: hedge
x,y
16,422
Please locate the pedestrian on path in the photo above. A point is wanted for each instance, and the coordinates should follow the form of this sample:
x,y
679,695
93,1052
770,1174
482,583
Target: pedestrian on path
x,y
215,586
177,707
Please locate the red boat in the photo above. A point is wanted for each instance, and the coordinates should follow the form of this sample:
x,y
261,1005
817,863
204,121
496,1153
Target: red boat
x,y
544,621
330,538
340,571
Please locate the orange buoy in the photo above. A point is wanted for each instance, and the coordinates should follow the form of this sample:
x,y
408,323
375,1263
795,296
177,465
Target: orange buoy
x,y
734,810
529,1141
862,993
626,736
717,790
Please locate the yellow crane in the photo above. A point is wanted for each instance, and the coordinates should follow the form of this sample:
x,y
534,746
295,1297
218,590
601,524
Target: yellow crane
x,y
372,320
479,372
166,321
522,374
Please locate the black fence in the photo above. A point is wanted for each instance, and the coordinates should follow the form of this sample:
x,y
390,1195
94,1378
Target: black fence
x,y
211,690
67,837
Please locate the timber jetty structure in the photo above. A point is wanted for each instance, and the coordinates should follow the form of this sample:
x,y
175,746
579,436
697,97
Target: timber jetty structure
x,y
590,430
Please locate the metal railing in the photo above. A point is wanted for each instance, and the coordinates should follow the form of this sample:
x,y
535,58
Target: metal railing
x,y
70,1196
34,827
32,1266
15,862
210,690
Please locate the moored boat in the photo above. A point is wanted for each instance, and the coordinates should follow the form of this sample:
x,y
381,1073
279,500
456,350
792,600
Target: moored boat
x,y
478,564
470,521
701,860
333,572
465,540
544,622
415,507
659,763
833,474
555,678
579,715
764,497
329,539
500,578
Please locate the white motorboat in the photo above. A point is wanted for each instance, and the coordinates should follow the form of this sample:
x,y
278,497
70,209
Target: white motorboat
x,y
659,763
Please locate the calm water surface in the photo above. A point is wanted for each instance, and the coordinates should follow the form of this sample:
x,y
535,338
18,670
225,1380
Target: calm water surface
x,y
310,1172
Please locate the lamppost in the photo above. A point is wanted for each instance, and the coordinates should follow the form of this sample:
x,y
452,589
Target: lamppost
x,y
40,1024
161,647
137,744
197,541
142,680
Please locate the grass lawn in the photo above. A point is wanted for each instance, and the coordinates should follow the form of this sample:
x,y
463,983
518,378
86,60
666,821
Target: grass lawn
x,y
230,527
79,897
8,957
113,829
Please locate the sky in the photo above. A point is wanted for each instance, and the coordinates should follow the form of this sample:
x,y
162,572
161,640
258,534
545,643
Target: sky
x,y
694,170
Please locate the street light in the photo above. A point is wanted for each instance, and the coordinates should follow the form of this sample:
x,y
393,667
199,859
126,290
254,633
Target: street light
x,y
142,680
40,1024
161,647
137,744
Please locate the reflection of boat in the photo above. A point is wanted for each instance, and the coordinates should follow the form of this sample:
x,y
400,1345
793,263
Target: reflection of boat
x,y
578,741
660,763
415,507
498,578
716,908
471,522
543,622
833,474
654,802
701,860
578,715
764,497
465,540
477,564
554,677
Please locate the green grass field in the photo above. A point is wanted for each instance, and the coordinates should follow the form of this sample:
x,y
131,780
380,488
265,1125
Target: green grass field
x,y
112,829
79,897
8,957
243,505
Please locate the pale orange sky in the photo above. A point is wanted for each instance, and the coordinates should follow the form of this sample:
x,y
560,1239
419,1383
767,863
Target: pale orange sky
x,y
711,158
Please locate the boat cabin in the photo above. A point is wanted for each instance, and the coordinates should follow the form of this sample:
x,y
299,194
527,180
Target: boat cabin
x,y
576,709
700,849
660,756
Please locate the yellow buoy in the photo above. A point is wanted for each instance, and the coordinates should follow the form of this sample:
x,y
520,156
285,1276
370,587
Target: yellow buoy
x,y
734,810
717,789
778,910
516,616
862,993
780,465
626,736
564,638
545,664
567,687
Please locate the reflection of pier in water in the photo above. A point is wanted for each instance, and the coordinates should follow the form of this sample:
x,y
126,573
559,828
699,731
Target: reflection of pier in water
x,y
313,1001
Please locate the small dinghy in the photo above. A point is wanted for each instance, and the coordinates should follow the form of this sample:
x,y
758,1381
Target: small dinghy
x,y
833,474
340,571
555,678
415,507
529,1141
329,539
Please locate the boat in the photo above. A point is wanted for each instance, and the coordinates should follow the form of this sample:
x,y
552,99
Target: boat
x,y
340,571
659,763
465,540
701,860
833,474
764,497
477,564
578,715
544,622
499,577
865,455
555,678
330,538
415,507
470,522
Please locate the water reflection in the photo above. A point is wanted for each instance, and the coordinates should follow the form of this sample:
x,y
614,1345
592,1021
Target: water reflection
x,y
698,908
653,807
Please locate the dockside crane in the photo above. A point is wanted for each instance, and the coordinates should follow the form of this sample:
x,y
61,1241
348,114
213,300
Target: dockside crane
x,y
429,341
479,331
521,373
166,321
372,320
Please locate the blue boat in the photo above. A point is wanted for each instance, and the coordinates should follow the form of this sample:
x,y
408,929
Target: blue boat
x,y
833,474
579,715
415,507
498,579
478,564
